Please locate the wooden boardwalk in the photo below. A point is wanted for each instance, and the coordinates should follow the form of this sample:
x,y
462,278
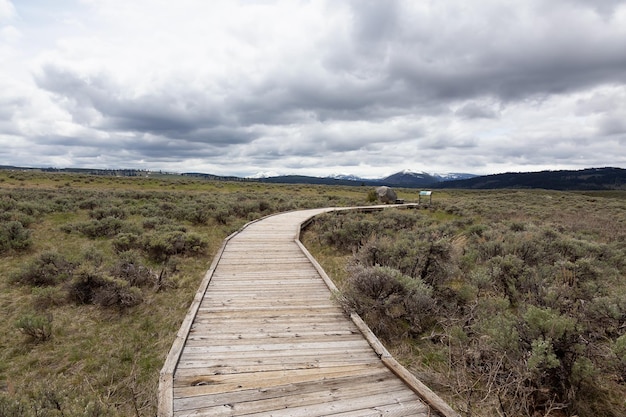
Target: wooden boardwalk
x,y
264,337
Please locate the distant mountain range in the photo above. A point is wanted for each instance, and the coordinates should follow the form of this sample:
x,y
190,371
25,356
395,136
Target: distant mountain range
x,y
406,178
585,179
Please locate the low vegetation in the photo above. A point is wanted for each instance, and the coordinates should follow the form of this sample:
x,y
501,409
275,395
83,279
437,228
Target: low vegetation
x,y
507,303
97,274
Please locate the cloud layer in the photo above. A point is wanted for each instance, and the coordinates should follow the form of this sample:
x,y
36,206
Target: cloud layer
x,y
312,87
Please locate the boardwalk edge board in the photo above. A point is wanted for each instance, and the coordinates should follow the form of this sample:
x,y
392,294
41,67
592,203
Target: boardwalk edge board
x,y
166,376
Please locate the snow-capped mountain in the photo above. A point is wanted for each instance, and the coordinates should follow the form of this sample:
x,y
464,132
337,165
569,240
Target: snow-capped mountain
x,y
409,178
348,177
453,176
261,175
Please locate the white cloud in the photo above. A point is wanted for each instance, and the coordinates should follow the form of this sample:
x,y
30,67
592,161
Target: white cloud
x,y
7,10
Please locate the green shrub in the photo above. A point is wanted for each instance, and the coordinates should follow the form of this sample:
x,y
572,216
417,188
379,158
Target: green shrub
x,y
11,406
199,215
49,268
117,293
33,208
48,398
371,196
92,287
547,324
106,227
130,269
103,213
94,256
619,348
154,222
542,356
37,327
124,242
90,203
13,235
391,303
535,306
345,231
160,246
501,329
9,216
47,297
84,285
222,216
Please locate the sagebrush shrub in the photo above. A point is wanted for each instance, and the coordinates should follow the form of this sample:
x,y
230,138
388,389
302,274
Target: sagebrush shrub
x,y
84,284
13,235
47,297
160,246
106,227
93,287
37,327
124,242
103,213
117,293
391,302
49,268
130,269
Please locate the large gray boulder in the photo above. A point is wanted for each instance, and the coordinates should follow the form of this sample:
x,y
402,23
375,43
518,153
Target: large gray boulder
x,y
386,195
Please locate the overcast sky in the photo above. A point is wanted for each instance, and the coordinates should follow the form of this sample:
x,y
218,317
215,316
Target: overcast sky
x,y
313,87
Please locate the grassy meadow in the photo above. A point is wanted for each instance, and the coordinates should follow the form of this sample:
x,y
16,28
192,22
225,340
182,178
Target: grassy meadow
x,y
97,274
506,303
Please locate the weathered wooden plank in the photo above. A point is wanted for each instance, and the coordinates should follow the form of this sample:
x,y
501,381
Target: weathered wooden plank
x,y
275,291
406,409
241,338
386,382
322,408
351,393
261,312
204,384
276,308
267,355
308,345
268,318
244,365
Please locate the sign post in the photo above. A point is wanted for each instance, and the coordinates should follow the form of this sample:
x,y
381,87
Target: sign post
x,y
424,194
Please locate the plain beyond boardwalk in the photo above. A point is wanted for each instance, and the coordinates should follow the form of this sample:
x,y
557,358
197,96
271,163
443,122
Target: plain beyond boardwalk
x,y
265,338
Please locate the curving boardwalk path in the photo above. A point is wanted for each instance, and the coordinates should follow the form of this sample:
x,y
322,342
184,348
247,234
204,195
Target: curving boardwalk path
x,y
263,337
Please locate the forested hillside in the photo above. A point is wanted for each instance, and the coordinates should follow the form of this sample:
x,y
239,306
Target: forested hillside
x,y
586,179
